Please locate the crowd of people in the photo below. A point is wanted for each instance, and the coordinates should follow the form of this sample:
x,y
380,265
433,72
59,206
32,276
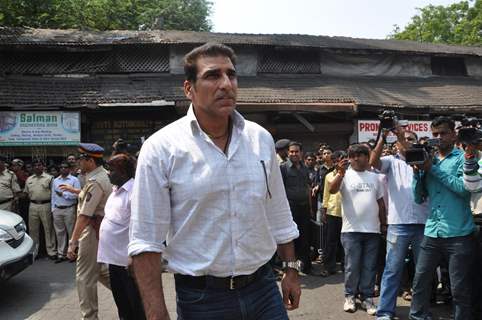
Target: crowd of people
x,y
214,200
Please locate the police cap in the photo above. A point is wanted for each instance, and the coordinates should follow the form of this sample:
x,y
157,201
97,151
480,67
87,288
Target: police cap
x,y
90,150
282,144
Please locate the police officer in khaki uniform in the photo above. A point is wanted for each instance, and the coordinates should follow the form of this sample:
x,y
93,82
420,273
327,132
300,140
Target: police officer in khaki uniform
x,y
9,187
38,190
84,240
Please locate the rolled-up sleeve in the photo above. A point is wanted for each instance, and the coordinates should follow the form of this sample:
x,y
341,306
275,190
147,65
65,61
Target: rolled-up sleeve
x,y
150,204
281,223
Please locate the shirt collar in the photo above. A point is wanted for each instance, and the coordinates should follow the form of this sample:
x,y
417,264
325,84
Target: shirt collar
x,y
94,172
125,187
237,118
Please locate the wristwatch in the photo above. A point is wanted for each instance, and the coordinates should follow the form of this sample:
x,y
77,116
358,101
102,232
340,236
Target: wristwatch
x,y
296,265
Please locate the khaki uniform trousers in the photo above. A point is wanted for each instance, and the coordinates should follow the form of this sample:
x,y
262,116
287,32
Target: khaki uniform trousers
x,y
64,221
88,273
7,206
40,213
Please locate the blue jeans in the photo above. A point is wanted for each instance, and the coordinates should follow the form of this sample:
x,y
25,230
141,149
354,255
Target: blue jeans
x,y
459,252
361,252
260,300
399,238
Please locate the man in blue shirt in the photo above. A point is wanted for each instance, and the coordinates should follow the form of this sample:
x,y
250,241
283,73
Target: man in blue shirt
x,y
63,209
449,228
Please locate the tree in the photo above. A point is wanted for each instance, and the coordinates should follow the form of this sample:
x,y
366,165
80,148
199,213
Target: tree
x,y
458,23
107,14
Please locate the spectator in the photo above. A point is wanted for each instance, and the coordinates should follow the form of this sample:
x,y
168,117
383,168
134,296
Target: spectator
x,y
281,147
331,216
63,209
449,228
363,212
324,169
114,238
298,187
9,188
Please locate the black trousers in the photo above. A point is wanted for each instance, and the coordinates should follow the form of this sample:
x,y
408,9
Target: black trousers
x,y
126,295
301,216
333,243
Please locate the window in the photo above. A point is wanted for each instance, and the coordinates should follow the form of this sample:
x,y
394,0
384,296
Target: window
x,y
448,66
281,60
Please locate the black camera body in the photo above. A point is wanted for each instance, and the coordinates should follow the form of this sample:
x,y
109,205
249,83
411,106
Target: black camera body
x,y
469,132
419,153
388,119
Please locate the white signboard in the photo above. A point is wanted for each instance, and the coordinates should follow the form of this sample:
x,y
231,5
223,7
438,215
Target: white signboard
x,y
35,128
368,129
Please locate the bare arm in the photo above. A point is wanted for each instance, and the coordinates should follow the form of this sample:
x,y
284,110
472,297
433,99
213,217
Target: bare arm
x,y
147,271
290,284
382,212
377,151
335,184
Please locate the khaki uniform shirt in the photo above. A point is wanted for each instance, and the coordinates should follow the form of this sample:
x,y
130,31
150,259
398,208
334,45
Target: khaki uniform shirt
x,y
38,188
8,185
94,193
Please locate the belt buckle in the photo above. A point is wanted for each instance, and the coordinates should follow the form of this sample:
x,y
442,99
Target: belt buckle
x,y
231,283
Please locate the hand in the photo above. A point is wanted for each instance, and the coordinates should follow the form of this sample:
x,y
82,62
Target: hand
x,y
72,252
471,151
342,166
290,286
314,191
66,187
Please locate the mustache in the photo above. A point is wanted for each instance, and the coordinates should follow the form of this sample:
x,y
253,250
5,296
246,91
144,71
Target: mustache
x,y
225,96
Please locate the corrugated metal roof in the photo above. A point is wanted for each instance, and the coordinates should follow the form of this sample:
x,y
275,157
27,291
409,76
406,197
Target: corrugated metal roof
x,y
53,37
434,92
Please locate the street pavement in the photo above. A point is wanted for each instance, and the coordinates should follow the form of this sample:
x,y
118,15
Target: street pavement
x,y
46,291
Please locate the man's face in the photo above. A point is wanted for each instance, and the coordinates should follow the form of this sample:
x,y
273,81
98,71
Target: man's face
x,y
115,175
446,135
64,170
38,168
410,137
294,153
310,162
359,162
214,92
85,164
326,154
72,160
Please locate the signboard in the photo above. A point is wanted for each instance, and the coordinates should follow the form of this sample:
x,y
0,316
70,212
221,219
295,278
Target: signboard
x,y
36,128
368,129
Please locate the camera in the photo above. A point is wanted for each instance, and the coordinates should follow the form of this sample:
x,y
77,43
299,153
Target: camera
x,y
419,153
388,119
469,132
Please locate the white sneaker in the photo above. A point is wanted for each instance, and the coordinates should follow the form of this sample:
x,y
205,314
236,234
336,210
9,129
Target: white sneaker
x,y
349,305
369,306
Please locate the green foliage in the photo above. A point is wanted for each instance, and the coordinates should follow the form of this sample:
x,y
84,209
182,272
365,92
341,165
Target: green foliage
x,y
458,23
107,14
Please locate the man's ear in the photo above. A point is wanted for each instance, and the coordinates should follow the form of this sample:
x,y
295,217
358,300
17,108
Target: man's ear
x,y
188,87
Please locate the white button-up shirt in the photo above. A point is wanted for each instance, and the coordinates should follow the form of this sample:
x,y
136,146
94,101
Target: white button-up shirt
x,y
402,208
114,229
220,215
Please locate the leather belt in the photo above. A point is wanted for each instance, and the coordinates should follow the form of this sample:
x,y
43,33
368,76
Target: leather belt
x,y
5,201
40,201
227,283
64,207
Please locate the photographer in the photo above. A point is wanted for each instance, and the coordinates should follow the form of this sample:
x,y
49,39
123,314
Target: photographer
x,y
449,227
406,219
473,183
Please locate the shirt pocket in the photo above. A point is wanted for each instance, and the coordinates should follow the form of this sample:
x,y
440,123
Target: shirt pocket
x,y
254,184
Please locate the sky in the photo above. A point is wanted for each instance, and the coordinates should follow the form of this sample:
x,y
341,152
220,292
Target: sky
x,y
372,19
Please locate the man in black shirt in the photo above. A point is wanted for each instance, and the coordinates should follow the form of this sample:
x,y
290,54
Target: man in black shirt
x,y
298,188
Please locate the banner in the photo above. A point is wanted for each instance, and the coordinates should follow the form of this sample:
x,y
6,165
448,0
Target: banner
x,y
39,128
368,129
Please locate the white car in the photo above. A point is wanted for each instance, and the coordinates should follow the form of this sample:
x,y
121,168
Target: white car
x,y
17,249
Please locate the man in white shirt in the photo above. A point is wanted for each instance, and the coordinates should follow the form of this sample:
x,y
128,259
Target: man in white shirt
x,y
363,211
63,209
406,219
209,185
114,237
